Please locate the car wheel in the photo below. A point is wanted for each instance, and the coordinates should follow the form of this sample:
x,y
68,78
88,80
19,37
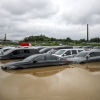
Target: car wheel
x,y
82,63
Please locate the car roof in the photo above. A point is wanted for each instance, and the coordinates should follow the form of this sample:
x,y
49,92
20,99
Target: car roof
x,y
72,49
92,50
45,55
22,48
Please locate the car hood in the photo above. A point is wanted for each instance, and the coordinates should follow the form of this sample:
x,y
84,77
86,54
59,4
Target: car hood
x,y
57,55
14,63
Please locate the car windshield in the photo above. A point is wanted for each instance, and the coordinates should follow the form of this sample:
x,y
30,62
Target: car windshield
x,y
59,52
52,51
29,58
81,54
7,52
42,49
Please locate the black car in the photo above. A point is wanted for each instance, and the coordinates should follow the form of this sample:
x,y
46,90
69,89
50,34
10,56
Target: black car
x,y
37,60
18,53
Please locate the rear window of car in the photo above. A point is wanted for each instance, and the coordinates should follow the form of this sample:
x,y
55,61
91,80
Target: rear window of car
x,y
80,50
82,54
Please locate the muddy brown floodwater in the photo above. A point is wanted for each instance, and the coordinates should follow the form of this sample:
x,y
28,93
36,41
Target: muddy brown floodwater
x,y
69,82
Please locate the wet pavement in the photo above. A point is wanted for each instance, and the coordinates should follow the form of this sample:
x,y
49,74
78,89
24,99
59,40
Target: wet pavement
x,y
68,82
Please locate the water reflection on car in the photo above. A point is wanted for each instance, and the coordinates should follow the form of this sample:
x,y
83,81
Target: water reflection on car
x,y
37,60
94,66
39,72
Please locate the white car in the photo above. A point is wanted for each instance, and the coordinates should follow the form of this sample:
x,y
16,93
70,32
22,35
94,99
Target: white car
x,y
67,53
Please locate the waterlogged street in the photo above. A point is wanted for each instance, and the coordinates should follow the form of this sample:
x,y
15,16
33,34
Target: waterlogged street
x,y
69,82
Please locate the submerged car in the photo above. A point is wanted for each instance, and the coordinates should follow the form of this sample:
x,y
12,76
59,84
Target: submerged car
x,y
18,53
37,60
86,57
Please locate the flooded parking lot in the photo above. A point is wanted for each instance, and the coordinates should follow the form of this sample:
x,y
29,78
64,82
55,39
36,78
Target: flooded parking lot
x,y
68,82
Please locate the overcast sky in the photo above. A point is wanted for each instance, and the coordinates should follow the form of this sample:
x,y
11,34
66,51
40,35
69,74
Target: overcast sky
x,y
52,18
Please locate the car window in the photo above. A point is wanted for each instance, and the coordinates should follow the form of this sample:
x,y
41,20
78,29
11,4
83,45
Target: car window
x,y
30,58
68,53
26,51
93,54
16,52
81,54
40,58
98,53
74,52
80,50
51,57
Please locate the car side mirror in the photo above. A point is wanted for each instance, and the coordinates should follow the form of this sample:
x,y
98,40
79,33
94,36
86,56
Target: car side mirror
x,y
87,57
74,55
64,54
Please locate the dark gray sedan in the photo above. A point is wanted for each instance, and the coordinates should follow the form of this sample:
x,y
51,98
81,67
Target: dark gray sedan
x,y
37,60
86,57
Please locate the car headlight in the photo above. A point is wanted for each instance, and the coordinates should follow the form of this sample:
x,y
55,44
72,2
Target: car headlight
x,y
11,66
2,66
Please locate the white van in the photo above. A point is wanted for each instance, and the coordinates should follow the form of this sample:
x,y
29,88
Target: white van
x,y
67,53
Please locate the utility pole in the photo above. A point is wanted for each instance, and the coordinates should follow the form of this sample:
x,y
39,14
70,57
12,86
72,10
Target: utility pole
x,y
5,38
87,34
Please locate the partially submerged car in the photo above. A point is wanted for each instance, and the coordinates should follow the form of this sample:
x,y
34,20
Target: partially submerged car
x,y
18,53
37,60
86,57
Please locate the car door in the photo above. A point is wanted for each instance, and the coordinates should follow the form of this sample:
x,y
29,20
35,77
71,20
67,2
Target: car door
x,y
39,61
97,58
15,54
74,52
25,53
92,57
